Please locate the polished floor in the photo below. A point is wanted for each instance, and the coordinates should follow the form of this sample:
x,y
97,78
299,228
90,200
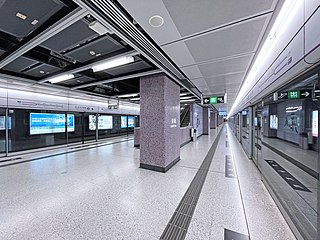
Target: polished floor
x,y
101,193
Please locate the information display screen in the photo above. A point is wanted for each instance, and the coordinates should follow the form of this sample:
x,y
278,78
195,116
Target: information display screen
x,y
3,122
123,121
104,122
130,121
222,113
273,122
255,121
244,113
315,123
43,123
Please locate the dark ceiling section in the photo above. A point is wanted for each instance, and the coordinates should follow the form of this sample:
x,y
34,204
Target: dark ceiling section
x,y
73,49
116,88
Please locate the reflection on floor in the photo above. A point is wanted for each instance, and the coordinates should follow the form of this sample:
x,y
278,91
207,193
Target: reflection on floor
x,y
101,193
308,158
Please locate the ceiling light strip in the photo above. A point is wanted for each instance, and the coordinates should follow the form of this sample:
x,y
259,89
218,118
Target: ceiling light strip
x,y
86,67
62,24
127,31
118,79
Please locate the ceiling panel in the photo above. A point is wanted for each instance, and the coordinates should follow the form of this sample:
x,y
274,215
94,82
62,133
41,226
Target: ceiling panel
x,y
179,53
19,64
164,34
95,49
35,12
69,37
231,78
192,72
78,81
128,68
42,70
192,16
224,67
237,39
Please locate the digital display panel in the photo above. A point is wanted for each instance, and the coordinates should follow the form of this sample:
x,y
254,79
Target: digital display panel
x,y
255,121
273,122
43,123
130,121
244,113
123,121
222,113
315,123
104,122
3,123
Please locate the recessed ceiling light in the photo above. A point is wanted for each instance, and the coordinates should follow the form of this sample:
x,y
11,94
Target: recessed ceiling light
x,y
156,21
21,16
41,71
34,22
92,53
98,54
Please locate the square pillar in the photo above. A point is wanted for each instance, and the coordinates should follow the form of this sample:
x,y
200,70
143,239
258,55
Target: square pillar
x,y
213,120
160,122
206,120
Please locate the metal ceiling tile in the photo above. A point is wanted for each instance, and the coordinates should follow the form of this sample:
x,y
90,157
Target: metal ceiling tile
x,y
128,68
95,49
19,64
35,12
237,39
192,72
42,70
77,81
69,37
234,65
191,16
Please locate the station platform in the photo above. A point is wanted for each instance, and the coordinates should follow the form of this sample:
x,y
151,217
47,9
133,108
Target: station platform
x,y
101,193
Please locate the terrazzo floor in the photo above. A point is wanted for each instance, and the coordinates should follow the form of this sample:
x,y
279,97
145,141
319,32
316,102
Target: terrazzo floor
x,y
101,193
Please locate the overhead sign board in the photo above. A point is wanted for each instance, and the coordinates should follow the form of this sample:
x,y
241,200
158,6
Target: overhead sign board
x,y
213,100
295,94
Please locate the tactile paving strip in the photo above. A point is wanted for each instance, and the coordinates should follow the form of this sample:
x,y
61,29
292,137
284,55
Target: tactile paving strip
x,y
179,223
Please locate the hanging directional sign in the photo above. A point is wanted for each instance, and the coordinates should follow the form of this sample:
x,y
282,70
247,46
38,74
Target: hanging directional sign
x,y
295,94
305,93
206,100
213,100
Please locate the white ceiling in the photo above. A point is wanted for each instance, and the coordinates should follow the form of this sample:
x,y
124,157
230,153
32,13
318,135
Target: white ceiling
x,y
212,41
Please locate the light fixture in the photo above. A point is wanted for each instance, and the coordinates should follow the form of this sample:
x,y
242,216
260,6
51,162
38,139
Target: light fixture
x,y
135,99
187,100
184,98
61,78
113,63
156,21
183,94
99,28
284,18
21,16
128,95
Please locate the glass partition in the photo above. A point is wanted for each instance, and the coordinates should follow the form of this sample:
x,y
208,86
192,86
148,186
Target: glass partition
x,y
289,161
3,131
32,129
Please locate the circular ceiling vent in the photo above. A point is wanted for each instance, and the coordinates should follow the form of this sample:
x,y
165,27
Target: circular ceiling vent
x,y
156,21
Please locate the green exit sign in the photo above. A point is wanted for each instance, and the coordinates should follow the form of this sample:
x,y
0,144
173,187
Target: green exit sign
x,y
294,94
213,100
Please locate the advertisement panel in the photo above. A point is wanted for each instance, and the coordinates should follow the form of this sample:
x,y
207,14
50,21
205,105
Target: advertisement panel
x,y
315,123
130,121
3,123
123,121
43,123
104,122
273,122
